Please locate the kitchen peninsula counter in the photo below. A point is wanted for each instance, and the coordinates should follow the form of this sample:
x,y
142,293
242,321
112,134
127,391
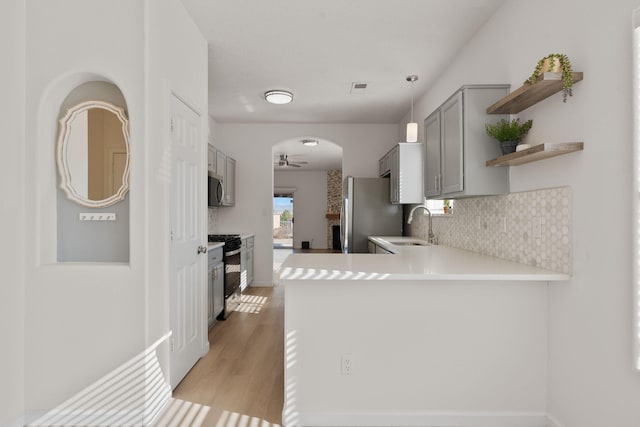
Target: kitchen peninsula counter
x,y
428,335
411,263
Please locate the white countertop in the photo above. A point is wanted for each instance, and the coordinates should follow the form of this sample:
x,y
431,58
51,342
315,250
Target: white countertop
x,y
410,263
214,245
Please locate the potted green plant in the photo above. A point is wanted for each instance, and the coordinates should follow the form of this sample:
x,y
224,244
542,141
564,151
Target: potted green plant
x,y
509,133
446,206
557,63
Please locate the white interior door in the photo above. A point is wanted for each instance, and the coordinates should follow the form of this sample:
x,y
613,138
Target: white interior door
x,y
188,281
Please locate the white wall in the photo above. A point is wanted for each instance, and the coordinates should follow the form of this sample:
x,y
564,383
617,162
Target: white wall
x,y
83,320
424,354
177,64
250,144
12,82
591,380
89,318
309,205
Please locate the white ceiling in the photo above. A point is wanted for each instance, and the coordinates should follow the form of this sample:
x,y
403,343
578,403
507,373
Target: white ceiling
x,y
317,49
323,157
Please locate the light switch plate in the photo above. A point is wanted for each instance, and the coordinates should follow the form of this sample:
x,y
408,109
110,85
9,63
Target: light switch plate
x,y
99,216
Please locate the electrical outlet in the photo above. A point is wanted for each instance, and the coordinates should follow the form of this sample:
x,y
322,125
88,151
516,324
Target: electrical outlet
x,y
503,224
537,227
347,364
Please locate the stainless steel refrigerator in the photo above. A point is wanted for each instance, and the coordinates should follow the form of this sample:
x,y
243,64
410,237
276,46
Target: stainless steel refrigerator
x,y
367,211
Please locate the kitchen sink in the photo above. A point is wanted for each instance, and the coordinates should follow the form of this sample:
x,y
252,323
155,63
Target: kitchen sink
x,y
405,241
411,243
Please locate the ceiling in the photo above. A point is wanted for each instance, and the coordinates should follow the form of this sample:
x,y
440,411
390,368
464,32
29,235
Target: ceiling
x,y
323,157
319,49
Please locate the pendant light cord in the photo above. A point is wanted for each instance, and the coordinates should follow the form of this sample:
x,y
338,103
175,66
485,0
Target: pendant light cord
x,y
411,102
412,79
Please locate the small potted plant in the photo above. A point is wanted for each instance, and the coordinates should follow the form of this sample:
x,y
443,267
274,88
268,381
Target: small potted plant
x,y
557,63
446,206
509,133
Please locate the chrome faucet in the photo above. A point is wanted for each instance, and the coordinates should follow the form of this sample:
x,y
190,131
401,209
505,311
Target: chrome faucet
x,y
431,238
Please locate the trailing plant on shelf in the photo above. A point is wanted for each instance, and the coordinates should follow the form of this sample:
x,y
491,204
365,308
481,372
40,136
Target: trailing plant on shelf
x,y
556,62
509,133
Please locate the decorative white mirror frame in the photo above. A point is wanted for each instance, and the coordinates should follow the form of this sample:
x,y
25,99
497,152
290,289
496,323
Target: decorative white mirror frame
x,y
61,154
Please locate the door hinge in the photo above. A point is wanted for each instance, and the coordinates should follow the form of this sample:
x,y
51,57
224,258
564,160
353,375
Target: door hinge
x,y
171,124
172,235
172,345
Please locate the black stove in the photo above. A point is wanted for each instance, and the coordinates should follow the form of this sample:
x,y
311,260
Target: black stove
x,y
231,241
232,275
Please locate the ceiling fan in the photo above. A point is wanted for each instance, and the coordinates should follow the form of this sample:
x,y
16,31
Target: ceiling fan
x,y
284,162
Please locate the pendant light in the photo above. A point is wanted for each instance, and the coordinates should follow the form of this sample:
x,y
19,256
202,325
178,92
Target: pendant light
x,y
412,127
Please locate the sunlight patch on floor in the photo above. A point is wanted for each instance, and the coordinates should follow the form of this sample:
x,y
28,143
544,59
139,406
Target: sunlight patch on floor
x,y
234,419
183,414
251,303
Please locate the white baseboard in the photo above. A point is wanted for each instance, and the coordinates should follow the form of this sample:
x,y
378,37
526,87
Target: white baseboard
x,y
18,422
24,419
553,422
261,285
427,419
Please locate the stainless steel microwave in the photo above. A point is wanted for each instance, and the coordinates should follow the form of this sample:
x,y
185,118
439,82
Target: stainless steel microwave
x,y
216,190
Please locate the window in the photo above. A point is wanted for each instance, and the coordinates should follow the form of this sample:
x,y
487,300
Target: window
x,y
437,206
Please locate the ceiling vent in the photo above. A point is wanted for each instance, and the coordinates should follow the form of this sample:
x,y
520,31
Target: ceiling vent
x,y
358,87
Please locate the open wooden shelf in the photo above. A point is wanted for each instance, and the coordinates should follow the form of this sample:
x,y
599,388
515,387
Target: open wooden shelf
x,y
333,216
537,152
527,95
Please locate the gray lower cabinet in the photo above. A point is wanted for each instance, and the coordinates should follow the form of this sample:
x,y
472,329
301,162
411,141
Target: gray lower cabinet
x,y
215,288
250,260
246,262
457,146
375,249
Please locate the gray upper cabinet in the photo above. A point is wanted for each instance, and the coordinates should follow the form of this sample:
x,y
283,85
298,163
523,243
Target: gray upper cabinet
x,y
220,164
211,159
224,166
432,155
452,145
457,146
403,165
230,182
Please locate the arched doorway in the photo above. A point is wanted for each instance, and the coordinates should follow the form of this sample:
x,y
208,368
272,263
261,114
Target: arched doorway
x,y
307,192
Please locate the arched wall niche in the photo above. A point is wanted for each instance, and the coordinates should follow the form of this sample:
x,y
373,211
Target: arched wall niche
x,y
65,237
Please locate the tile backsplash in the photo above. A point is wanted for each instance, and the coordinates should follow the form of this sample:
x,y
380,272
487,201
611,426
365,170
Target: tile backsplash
x,y
532,227
212,227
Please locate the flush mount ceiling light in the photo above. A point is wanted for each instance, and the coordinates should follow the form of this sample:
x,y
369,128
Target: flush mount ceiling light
x,y
310,142
278,96
412,128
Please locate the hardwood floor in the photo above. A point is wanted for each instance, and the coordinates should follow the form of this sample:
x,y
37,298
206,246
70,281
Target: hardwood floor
x,y
242,376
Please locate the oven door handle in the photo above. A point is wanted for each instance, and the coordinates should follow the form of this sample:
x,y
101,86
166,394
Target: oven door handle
x,y
237,251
